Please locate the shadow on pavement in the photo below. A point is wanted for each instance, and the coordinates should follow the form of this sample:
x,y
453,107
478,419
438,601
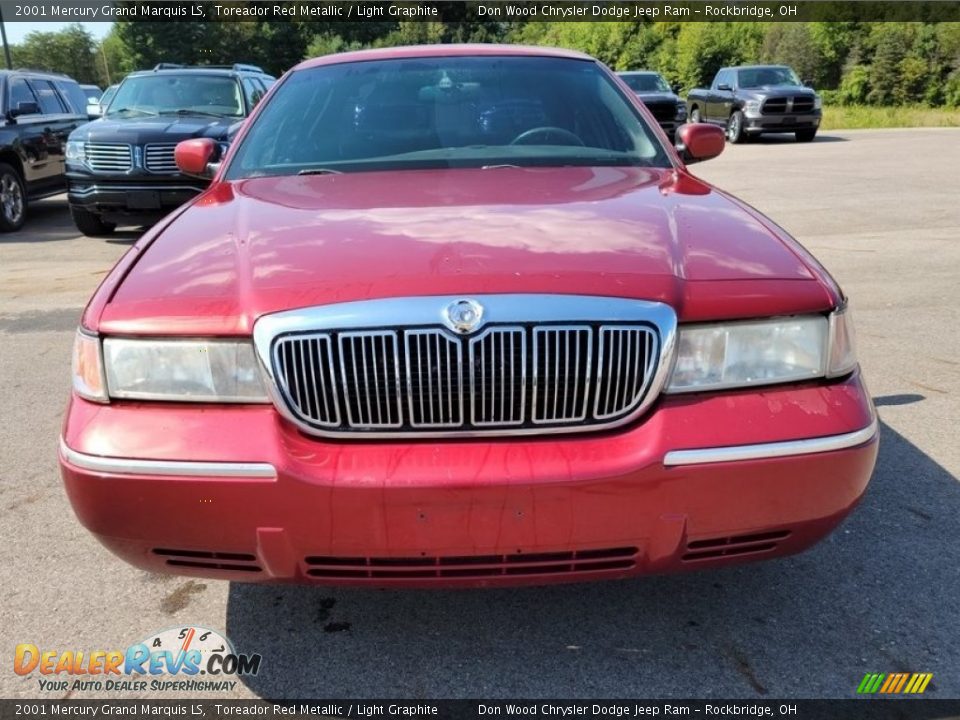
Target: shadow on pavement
x,y
789,138
48,220
878,595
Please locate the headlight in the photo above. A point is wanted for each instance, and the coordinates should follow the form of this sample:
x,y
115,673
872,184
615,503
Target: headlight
x,y
75,152
182,370
740,354
751,107
817,102
88,381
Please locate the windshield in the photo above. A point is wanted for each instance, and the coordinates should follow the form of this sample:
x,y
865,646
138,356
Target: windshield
x,y
108,95
92,93
170,93
445,112
758,77
646,82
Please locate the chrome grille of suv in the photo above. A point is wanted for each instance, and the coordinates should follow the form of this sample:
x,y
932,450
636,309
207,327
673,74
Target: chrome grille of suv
x,y
159,158
416,379
108,157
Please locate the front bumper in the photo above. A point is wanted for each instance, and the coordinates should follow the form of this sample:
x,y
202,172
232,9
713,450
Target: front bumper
x,y
238,493
781,123
130,196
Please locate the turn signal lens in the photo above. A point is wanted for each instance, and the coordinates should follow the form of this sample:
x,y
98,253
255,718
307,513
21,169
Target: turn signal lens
x,y
843,347
88,380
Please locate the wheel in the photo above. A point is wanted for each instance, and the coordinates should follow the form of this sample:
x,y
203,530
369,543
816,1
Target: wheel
x,y
560,135
735,133
13,199
91,224
806,135
695,114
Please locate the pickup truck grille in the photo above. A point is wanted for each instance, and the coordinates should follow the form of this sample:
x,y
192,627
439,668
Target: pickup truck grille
x,y
781,105
108,157
662,111
505,378
159,158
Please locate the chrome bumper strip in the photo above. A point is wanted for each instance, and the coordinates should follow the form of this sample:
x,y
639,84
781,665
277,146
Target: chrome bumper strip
x,y
772,450
126,466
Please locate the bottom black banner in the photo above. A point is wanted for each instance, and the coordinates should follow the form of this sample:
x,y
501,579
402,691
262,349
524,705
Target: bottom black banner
x,y
457,709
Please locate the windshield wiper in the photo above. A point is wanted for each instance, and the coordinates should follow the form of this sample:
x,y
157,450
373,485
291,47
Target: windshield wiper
x,y
319,171
187,111
131,110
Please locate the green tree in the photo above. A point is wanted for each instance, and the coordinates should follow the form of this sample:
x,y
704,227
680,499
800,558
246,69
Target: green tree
x,y
71,51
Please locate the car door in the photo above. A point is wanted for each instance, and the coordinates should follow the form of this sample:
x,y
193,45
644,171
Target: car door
x,y
59,120
721,98
31,141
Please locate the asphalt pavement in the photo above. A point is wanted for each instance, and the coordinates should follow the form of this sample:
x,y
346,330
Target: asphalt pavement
x,y
881,209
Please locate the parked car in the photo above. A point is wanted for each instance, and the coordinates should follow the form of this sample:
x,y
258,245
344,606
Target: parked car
x,y
39,110
458,315
659,97
753,100
94,94
107,97
120,168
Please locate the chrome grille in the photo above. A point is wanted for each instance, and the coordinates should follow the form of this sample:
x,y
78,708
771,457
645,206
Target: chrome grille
x,y
397,368
159,158
108,157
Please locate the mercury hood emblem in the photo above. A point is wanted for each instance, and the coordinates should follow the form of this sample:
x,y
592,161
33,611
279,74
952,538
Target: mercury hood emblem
x,y
464,315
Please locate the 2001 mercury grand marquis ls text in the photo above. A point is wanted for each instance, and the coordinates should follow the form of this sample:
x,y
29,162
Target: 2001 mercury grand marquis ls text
x,y
459,315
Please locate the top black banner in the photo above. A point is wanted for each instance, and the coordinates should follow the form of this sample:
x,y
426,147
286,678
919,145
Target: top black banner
x,y
498,11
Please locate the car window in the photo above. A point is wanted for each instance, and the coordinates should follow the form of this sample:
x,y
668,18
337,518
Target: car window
x,y
647,82
175,93
446,112
253,91
74,96
759,77
20,92
50,103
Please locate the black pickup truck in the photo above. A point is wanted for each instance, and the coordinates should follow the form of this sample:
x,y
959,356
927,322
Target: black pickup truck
x,y
38,110
752,100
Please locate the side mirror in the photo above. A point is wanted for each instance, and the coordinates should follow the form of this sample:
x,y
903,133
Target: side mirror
x,y
700,141
676,89
807,82
197,157
724,86
26,108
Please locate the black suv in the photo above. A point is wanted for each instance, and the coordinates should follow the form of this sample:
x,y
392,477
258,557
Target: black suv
x,y
121,169
39,110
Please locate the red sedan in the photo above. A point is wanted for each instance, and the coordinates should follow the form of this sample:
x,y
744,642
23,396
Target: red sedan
x,y
460,315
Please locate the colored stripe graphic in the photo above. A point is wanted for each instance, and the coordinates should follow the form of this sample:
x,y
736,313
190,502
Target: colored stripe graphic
x,y
907,683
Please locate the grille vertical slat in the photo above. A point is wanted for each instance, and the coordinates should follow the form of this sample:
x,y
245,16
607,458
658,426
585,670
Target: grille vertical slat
x,y
581,374
619,368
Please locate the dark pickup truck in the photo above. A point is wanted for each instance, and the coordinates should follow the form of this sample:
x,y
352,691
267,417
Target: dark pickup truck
x,y
752,100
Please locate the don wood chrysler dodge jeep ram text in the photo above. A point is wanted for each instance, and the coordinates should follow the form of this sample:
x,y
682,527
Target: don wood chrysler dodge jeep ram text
x,y
458,315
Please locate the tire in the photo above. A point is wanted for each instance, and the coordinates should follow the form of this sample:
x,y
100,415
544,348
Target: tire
x,y
91,224
735,132
806,135
695,114
13,199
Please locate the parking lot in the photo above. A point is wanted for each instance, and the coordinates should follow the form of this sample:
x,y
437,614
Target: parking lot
x,y
881,209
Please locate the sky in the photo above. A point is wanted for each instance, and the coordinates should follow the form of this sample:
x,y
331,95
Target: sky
x,y
17,31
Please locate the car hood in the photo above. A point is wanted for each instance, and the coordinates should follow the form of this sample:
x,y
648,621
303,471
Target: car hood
x,y
256,246
161,128
656,97
769,91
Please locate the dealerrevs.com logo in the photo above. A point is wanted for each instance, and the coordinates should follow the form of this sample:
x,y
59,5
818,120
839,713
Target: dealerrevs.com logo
x,y
189,659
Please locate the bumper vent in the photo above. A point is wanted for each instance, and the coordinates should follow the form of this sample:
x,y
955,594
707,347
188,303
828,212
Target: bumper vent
x,y
209,559
470,566
716,548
